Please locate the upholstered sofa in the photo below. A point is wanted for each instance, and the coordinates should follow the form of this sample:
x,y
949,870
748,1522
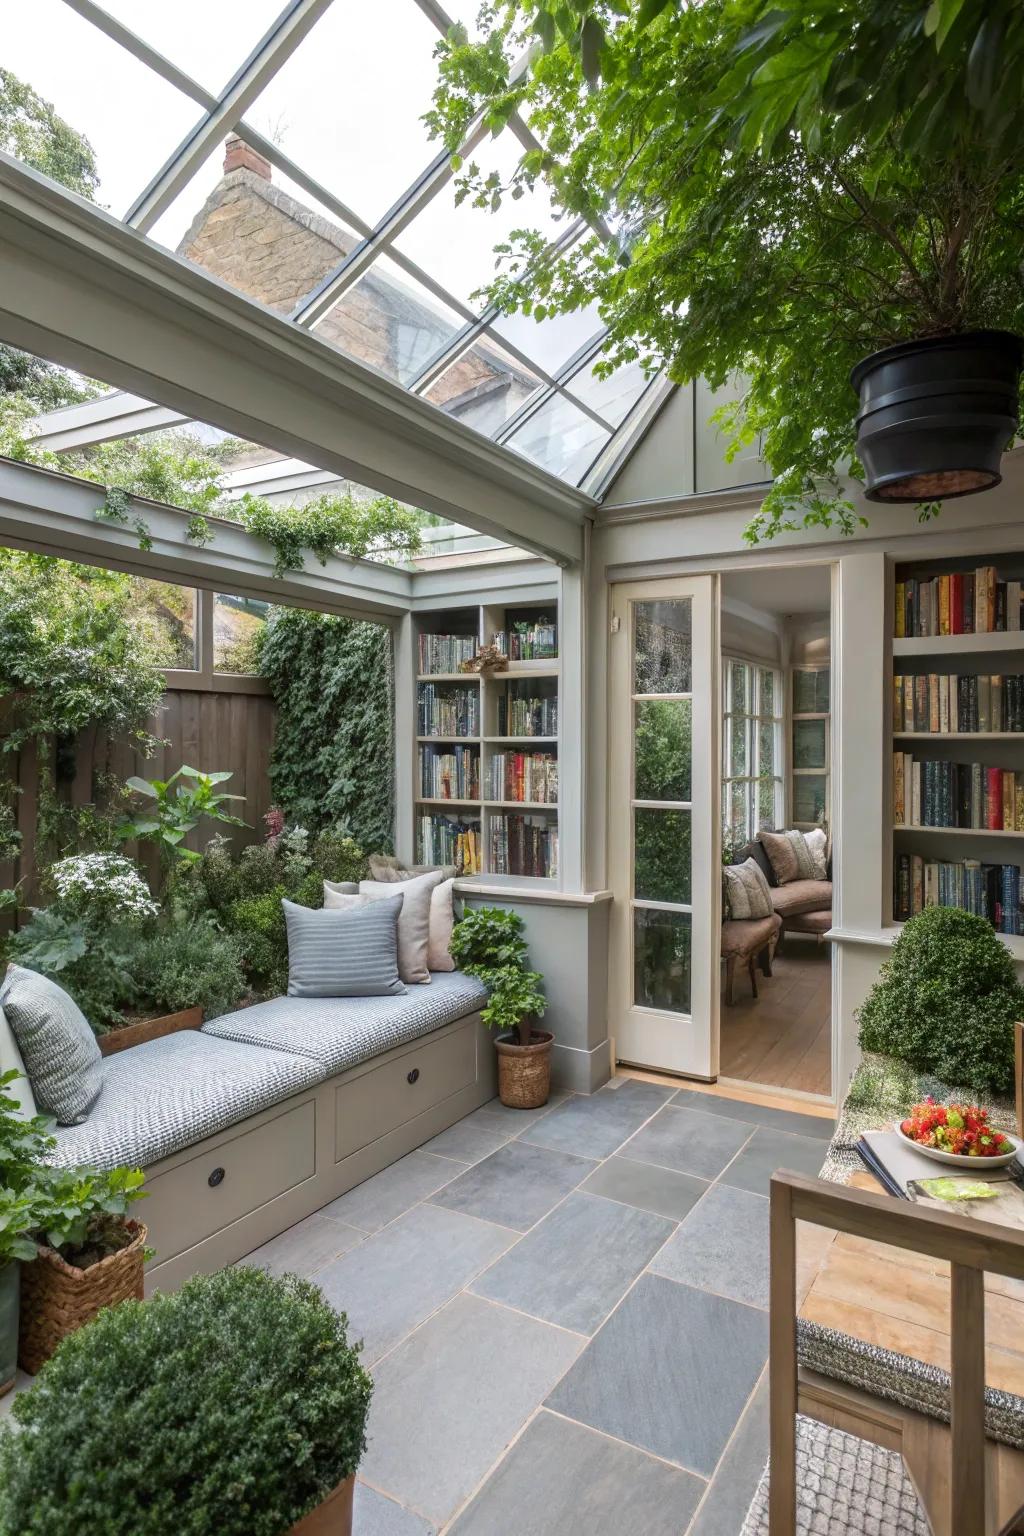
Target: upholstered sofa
x,y
267,1114
805,906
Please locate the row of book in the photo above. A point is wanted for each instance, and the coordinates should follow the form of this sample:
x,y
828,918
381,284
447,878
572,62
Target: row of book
x,y
531,777
519,714
522,845
453,774
447,710
445,653
528,642
444,840
991,891
960,603
936,793
942,703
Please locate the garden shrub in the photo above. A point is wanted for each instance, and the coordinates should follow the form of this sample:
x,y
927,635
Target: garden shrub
x,y
193,966
238,1404
946,1001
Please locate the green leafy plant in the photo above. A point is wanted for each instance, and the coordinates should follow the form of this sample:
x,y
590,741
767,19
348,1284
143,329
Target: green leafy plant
x,y
186,965
101,889
81,1212
488,943
17,1219
179,804
24,1142
92,963
946,1001
330,525
515,999
268,1414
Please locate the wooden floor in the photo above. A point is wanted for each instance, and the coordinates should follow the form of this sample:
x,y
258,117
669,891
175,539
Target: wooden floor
x,y
783,1037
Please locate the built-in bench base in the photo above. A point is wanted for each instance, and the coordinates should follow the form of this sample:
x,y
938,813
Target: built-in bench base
x,y
216,1201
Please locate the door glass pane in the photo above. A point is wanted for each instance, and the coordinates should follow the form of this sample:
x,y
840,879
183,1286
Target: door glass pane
x,y
664,647
810,798
739,755
662,855
663,740
661,959
809,744
768,700
810,692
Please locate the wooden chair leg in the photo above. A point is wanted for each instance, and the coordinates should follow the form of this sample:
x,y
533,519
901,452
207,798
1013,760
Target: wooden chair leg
x,y
730,980
766,960
752,973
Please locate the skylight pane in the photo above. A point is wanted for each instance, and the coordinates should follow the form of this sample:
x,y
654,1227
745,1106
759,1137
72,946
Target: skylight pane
x,y
347,105
132,118
550,342
561,439
483,388
390,321
209,42
614,397
455,243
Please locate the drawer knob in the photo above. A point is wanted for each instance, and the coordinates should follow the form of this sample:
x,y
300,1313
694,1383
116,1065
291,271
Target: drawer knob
x,y
216,1177
414,1075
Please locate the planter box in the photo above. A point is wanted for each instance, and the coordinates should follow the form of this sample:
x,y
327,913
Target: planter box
x,y
57,1298
148,1029
331,1518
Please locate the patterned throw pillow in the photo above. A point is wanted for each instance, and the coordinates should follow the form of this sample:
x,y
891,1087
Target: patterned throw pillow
x,y
385,867
817,842
343,954
746,891
789,855
57,1045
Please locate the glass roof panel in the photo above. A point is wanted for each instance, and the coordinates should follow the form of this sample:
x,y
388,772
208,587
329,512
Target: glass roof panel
x,y
484,387
389,320
614,397
347,105
561,439
551,342
208,42
455,243
132,118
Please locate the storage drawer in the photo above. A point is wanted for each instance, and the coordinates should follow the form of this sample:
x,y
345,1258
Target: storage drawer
x,y
215,1188
376,1102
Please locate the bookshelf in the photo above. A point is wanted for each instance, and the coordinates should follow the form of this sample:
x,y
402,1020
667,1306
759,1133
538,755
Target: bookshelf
x,y
955,731
486,750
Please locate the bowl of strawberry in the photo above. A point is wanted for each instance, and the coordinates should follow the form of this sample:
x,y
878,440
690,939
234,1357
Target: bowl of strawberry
x,y
958,1134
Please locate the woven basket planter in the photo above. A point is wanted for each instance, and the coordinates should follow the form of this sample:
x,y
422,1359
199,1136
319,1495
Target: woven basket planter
x,y
56,1298
331,1518
524,1071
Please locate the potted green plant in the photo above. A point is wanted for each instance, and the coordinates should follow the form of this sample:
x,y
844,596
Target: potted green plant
x,y
488,943
23,1141
235,1405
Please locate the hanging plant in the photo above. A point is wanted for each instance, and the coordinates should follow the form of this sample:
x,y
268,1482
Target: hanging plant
x,y
329,525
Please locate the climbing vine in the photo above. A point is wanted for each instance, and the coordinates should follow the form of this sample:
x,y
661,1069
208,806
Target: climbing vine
x,y
328,525
332,681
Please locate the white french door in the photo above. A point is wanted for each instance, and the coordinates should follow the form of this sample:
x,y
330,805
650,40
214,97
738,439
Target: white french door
x,y
663,809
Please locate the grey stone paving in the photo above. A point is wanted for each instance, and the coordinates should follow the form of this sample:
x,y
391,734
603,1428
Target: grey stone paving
x,y
564,1313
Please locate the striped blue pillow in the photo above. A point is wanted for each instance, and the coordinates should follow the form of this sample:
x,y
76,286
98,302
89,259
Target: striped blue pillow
x,y
343,953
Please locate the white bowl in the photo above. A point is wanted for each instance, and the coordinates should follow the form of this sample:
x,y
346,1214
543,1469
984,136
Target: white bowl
x,y
958,1160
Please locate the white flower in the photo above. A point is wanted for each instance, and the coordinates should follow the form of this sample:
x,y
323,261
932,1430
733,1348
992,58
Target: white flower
x,y
102,885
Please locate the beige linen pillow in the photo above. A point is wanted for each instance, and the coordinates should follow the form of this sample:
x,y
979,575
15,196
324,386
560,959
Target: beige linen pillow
x,y
442,922
817,842
413,921
385,866
746,891
336,900
789,855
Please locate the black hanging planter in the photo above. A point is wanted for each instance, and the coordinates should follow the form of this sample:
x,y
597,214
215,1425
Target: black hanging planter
x,y
937,415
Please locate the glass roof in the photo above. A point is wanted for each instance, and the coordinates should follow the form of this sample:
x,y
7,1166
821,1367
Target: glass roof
x,y
323,197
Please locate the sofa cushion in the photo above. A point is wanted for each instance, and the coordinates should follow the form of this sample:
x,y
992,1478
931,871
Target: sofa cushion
x,y
747,892
56,1042
413,920
747,938
343,954
802,896
167,1094
442,926
810,922
790,855
11,1061
338,1033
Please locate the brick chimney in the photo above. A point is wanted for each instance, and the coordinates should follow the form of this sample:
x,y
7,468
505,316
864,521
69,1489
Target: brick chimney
x,y
240,156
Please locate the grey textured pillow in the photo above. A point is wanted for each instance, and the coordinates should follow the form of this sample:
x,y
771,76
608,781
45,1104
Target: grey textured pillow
x,y
343,954
57,1045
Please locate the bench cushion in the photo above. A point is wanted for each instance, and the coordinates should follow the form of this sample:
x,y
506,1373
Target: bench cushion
x,y
340,1032
162,1096
748,937
802,896
810,922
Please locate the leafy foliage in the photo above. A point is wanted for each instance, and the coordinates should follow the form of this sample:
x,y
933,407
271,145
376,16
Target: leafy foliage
x,y
515,999
488,943
92,964
794,186
178,966
32,131
241,1402
329,525
179,804
332,681
23,1142
946,1001
80,1212
101,888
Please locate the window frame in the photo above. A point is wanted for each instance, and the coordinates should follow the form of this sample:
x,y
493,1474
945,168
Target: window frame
x,y
824,772
753,719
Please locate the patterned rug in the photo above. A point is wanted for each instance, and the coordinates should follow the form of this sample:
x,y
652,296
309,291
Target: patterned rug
x,y
845,1487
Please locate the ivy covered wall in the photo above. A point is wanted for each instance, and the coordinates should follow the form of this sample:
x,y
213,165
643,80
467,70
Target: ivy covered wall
x,y
332,680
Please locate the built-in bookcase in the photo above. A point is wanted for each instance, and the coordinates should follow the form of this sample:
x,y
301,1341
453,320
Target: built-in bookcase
x,y
956,801
485,776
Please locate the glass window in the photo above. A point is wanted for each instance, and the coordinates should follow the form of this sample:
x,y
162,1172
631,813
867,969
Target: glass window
x,y
662,943
208,42
661,855
560,438
238,624
664,647
809,744
752,755
484,387
613,397
550,342
810,691
664,734
166,614
390,321
810,789
810,799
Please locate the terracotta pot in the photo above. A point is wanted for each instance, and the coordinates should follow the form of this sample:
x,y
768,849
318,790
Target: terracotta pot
x,y
148,1029
10,1286
331,1518
524,1071
57,1298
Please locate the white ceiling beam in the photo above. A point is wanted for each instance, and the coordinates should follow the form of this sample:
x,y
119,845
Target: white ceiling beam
x,y
103,420
79,288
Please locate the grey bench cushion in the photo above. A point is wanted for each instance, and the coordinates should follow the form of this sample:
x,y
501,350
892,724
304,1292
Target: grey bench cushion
x,y
340,1032
159,1097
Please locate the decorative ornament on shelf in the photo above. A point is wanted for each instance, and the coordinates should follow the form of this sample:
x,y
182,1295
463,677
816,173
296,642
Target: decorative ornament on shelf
x,y
488,660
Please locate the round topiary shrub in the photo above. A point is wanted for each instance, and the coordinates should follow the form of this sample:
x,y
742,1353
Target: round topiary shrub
x,y
946,1001
233,1406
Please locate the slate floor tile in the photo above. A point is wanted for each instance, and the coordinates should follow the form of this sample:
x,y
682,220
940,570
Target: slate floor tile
x,y
375,1515
449,1400
389,1194
661,1190
516,1185
494,1115
758,1114
577,1263
562,1479
688,1141
670,1372
598,1124
465,1143
768,1151
305,1248
398,1277
738,1474
722,1246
